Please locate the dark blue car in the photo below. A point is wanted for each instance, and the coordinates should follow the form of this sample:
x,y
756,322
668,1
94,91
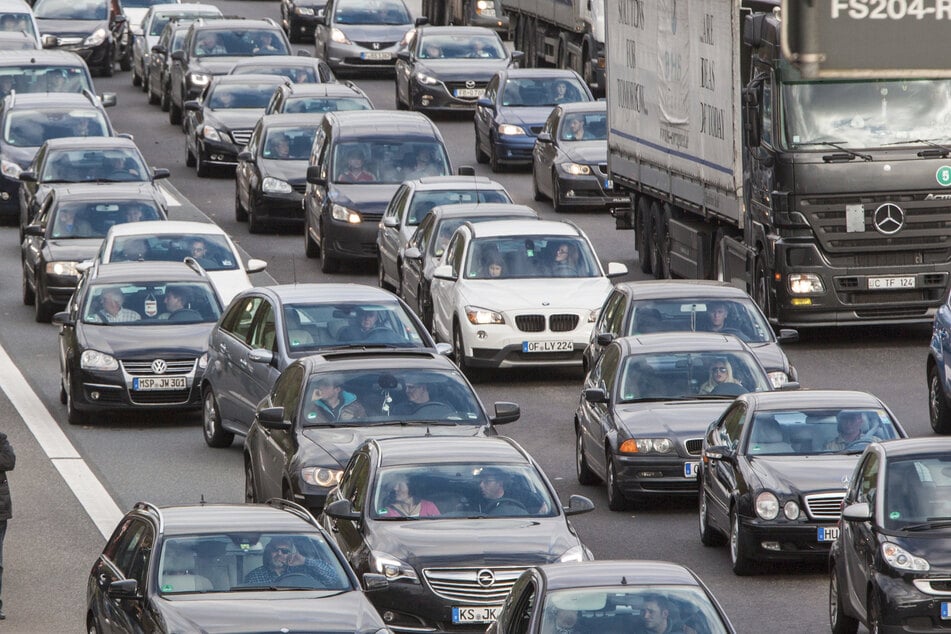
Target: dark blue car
x,y
514,108
939,379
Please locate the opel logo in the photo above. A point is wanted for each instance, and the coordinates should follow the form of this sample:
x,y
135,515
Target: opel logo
x,y
486,578
889,219
470,84
376,46
159,366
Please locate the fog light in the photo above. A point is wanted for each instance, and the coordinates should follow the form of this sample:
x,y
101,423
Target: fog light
x,y
570,193
4,196
94,396
770,546
426,100
388,616
481,334
650,474
801,301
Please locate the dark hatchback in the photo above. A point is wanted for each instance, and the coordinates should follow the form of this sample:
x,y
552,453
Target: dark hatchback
x,y
890,566
148,356
646,404
299,18
69,229
936,368
298,69
318,98
439,562
775,471
160,62
92,30
297,450
186,569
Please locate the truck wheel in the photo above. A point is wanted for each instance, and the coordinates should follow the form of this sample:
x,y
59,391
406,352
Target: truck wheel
x,y
665,246
642,232
718,266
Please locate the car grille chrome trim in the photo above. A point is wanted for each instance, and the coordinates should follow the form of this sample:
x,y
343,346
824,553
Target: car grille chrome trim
x,y
939,587
693,446
144,368
462,584
825,506
242,136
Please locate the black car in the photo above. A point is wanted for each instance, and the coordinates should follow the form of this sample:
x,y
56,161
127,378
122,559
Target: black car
x,y
212,47
447,67
323,407
299,17
610,596
218,124
424,251
206,567
133,338
299,69
936,370
775,468
46,71
320,98
888,566
644,307
160,62
69,229
93,30
270,180
452,523
357,164
646,404
147,32
28,120
267,328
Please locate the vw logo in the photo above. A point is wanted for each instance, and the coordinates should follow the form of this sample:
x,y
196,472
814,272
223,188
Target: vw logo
x,y
470,84
888,219
485,577
159,366
376,46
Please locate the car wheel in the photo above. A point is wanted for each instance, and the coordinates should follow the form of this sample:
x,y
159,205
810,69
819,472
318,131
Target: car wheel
x,y
381,275
240,213
63,397
328,263
136,78
293,32
458,349
616,499
536,193
250,495
215,435
556,196
255,222
125,62
29,295
73,415
583,471
938,409
202,167
311,249
174,112
840,622
154,98
189,156
741,563
709,536
145,80
399,102
108,68
481,157
42,310
494,164
92,627
165,100
874,617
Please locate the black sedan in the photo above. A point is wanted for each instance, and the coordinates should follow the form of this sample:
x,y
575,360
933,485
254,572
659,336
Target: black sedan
x,y
92,30
219,123
299,18
646,404
889,563
452,523
775,469
611,596
447,67
226,568
133,338
69,229
160,63
323,407
299,69
270,180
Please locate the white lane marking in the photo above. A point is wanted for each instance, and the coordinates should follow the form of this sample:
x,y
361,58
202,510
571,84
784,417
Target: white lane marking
x,y
87,488
170,200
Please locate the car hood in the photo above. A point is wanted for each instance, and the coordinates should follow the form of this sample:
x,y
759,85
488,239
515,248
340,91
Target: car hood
x,y
76,249
590,152
339,443
770,355
524,116
558,293
296,611
293,172
175,340
462,69
674,418
229,283
933,545
69,28
803,474
365,197
214,65
234,119
374,32
22,156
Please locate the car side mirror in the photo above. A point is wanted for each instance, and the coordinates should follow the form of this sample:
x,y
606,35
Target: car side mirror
x,y
178,56
544,137
391,222
604,338
444,349
444,272
126,135
158,49
273,418
403,56
49,41
466,170
518,56
34,230
123,589
578,504
421,21
119,18
596,395
320,19
108,99
192,105
62,319
857,512
160,172
255,265
616,269
260,355
244,155
788,335
719,452
485,102
789,386
27,177
412,253
303,52
342,510
315,177
373,582
505,412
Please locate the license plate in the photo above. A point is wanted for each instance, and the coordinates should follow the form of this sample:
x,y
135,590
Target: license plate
x,y
945,611
146,383
691,469
609,184
547,346
376,55
471,93
483,614
827,534
892,282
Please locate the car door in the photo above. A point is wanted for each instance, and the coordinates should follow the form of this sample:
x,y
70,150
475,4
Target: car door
x,y
246,173
257,378
411,269
720,475
485,114
390,238
545,152
444,291
33,245
349,534
404,74
594,419
229,346
322,31
124,557
610,321
279,447
858,540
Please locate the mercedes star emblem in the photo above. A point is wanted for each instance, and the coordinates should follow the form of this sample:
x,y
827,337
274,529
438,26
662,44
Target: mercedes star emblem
x,y
159,366
485,577
888,219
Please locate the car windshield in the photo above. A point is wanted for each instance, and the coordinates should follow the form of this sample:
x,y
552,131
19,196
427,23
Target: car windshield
x,y
71,10
313,326
220,43
917,492
235,96
30,128
473,489
88,219
79,166
14,21
631,608
244,561
731,316
388,162
542,91
150,304
211,251
392,12
584,126
672,376
297,74
31,78
161,19
392,396
530,256
140,4
289,144
325,104
806,432
424,201
461,47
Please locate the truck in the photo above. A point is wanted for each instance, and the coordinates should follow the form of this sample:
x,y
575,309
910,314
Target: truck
x,y
827,200
467,13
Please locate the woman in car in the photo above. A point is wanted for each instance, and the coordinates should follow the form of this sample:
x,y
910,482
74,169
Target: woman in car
x,y
721,379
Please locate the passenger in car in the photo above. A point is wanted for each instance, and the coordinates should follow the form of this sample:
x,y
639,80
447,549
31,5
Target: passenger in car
x,y
330,402
404,502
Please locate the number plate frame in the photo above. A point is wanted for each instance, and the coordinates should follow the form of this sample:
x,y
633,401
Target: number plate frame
x,y
827,534
561,345
159,383
468,93
475,614
376,56
691,469
892,281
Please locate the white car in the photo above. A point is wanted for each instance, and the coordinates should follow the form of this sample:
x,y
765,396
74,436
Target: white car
x,y
519,292
176,240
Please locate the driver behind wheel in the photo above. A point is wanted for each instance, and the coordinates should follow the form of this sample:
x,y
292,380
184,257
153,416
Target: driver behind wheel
x,y
492,483
364,322
850,425
281,558
417,395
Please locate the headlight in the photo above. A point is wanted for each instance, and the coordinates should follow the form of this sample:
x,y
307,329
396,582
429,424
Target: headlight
x,y
198,79
791,510
900,559
646,445
210,133
575,553
95,360
576,169
767,506
486,8
593,315
10,169
321,476
507,129
778,379
804,283
304,11
392,568
97,38
272,185
478,316
62,268
425,79
337,36
203,361
339,212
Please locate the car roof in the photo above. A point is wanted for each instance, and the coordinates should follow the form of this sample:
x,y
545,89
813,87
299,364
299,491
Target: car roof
x,y
159,227
90,143
8,5
483,209
358,124
453,181
41,57
138,190
282,60
330,293
680,342
62,101
675,289
812,399
584,106
209,518
431,29
154,270
520,227
289,119
233,24
539,72
250,78
328,89
639,572
448,449
345,359
916,446
185,7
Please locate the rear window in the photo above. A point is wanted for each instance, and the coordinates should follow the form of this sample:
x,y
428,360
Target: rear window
x,y
42,78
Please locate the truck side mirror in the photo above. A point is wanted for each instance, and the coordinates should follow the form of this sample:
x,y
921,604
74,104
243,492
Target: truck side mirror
x,y
751,120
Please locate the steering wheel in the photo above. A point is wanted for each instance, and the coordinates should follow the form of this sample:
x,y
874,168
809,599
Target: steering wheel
x,y
730,389
434,409
858,444
296,579
508,502
378,335
735,332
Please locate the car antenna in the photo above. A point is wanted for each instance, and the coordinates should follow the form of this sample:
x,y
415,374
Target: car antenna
x,y
202,502
623,581
294,266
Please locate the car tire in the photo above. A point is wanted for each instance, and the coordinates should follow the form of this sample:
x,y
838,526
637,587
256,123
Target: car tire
x,y
536,193
293,32
240,213
556,201
399,102
63,397
709,536
458,348
874,617
616,499
42,310
585,475
426,311
136,78
189,157
73,415
215,435
165,100
145,80
153,97
174,112
250,492
108,68
328,263
381,275
125,62
742,565
481,157
938,410
839,621
29,295
256,224
494,164
202,167
311,249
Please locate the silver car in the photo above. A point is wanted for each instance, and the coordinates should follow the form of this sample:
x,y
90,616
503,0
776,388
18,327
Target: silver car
x,y
355,34
146,34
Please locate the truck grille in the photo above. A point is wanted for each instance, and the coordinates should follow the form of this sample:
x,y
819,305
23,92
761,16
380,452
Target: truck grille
x,y
472,585
144,368
825,506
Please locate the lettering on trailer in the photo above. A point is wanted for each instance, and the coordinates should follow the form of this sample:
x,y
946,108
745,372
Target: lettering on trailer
x,y
712,121
631,48
630,96
890,9
707,74
631,13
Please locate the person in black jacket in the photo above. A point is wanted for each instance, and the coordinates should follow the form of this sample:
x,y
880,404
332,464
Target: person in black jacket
x,y
7,462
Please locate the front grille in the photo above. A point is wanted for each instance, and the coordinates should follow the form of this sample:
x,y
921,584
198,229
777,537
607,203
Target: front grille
x,y
693,446
530,323
160,397
242,136
825,506
536,129
562,323
370,45
934,586
144,368
463,584
603,169
300,188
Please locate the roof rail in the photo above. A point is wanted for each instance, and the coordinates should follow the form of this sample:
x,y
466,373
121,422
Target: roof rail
x,y
12,97
93,99
151,508
194,265
293,507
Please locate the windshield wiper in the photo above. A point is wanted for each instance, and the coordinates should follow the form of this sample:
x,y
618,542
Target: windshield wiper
x,y
849,154
938,522
939,150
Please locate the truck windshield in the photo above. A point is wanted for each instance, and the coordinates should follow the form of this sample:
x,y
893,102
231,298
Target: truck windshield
x,y
865,114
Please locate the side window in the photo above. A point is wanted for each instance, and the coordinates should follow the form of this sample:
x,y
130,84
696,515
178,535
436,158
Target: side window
x,y
732,425
127,539
552,123
262,329
521,616
398,204
492,88
252,146
454,253
609,368
350,477
287,391
318,148
868,480
239,319
139,565
606,319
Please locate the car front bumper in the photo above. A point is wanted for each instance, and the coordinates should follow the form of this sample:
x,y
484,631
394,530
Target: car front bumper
x,y
656,474
351,241
442,96
906,609
353,57
219,152
412,607
784,541
505,345
9,198
514,148
588,190
96,390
